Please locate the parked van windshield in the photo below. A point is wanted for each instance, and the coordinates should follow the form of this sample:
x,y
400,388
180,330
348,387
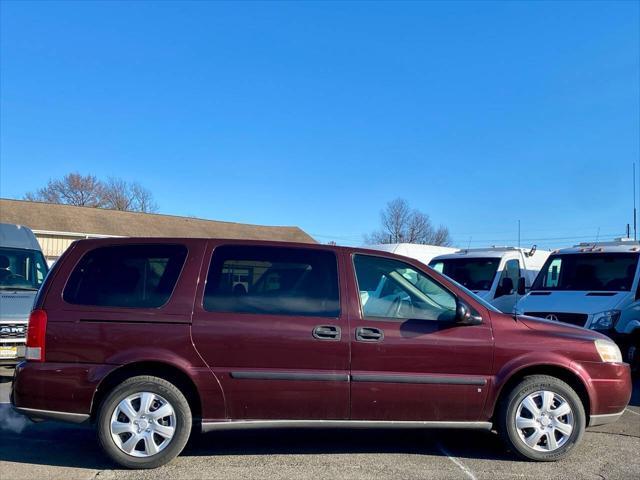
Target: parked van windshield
x,y
21,269
589,271
473,273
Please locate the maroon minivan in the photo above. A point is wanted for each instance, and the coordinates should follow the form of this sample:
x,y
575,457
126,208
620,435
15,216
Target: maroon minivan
x,y
149,339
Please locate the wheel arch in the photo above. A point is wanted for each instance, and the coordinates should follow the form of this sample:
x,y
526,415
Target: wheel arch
x,y
560,372
166,371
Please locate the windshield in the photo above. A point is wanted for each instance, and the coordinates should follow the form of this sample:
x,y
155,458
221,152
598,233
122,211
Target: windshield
x,y
589,271
21,269
473,273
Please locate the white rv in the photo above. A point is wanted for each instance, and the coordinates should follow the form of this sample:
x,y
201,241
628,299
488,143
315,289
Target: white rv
x,y
496,274
22,271
593,285
422,253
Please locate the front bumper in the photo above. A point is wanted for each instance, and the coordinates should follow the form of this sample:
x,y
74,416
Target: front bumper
x,y
609,387
13,358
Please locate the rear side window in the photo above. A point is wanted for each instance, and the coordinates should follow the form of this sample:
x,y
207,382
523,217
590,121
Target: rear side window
x,y
273,280
132,276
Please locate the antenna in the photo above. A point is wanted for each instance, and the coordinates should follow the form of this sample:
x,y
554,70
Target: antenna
x,y
635,217
518,233
597,235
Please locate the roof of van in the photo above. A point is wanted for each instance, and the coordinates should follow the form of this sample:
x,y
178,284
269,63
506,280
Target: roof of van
x,y
55,218
17,236
489,252
408,248
617,246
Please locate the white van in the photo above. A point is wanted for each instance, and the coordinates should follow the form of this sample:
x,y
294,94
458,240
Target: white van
x,y
593,285
422,253
497,274
22,271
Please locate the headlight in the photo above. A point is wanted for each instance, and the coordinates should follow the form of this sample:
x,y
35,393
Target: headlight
x,y
608,351
605,320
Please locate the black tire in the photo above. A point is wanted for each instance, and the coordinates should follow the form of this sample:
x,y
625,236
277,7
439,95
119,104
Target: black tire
x,y
157,386
508,409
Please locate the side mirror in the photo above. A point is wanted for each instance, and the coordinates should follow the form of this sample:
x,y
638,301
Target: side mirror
x,y
522,287
464,315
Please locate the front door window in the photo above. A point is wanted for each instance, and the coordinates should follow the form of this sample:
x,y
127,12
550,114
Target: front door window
x,y
394,289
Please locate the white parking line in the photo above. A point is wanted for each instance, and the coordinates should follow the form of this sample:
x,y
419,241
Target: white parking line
x,y
631,411
462,466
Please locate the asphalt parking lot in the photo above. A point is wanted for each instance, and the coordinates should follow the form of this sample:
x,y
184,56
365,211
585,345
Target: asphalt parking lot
x,y
54,450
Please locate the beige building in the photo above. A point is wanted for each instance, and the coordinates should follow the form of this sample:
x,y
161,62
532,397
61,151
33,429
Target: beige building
x,y
57,226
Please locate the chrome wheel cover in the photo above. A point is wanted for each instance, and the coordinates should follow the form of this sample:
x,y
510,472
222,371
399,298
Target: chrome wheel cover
x,y
544,421
143,424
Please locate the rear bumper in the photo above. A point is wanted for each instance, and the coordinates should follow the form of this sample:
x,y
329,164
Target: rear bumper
x,y
57,391
37,415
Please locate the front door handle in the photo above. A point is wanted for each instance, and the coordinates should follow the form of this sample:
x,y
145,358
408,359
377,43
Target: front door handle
x,y
326,332
369,334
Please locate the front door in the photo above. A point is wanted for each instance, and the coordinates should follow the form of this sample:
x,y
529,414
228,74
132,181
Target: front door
x,y
409,360
506,288
269,324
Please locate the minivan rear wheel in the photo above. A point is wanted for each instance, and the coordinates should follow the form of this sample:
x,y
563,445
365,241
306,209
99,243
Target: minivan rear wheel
x,y
542,418
144,422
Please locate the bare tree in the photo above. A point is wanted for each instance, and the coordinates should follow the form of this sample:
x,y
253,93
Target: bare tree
x,y
88,191
117,195
143,198
72,189
401,224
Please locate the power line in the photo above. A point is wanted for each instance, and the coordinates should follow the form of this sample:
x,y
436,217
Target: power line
x,y
486,240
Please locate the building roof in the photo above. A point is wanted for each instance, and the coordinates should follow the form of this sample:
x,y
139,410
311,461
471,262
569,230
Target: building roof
x,y
97,221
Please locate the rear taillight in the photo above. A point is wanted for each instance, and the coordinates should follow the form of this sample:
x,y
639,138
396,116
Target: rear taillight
x,y
36,333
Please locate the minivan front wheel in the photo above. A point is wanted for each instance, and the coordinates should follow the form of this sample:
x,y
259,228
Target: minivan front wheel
x,y
542,418
144,422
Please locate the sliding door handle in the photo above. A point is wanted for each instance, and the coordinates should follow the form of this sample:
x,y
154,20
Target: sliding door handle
x,y
369,334
326,332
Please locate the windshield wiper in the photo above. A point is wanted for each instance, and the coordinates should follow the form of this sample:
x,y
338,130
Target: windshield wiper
x,y
8,287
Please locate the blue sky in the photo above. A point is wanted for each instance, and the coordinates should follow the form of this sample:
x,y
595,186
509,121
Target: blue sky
x,y
317,114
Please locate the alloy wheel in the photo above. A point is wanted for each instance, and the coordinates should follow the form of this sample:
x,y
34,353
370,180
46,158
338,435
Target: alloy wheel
x,y
544,421
143,424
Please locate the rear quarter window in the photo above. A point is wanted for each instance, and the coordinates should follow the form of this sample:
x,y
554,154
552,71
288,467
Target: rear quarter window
x,y
131,276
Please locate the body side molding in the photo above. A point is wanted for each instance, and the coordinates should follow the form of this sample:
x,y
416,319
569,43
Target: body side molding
x,y
250,424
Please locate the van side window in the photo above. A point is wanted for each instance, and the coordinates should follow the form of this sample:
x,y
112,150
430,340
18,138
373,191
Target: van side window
x,y
509,278
273,280
393,289
552,278
131,276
